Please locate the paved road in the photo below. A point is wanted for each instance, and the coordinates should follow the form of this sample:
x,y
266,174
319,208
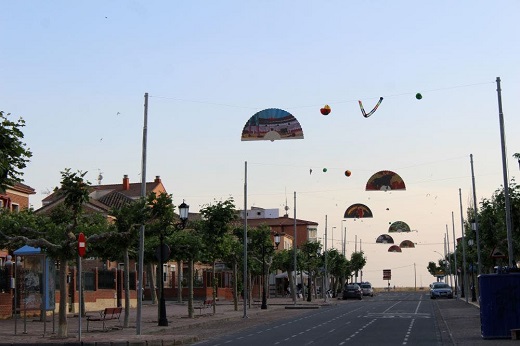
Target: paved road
x,y
388,318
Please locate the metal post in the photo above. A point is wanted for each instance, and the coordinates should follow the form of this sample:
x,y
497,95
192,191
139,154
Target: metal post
x,y
475,216
141,230
163,321
448,244
415,277
326,286
464,277
80,291
506,179
245,242
295,242
455,253
344,241
264,295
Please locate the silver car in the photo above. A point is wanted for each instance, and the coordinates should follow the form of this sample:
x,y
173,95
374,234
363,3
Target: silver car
x,y
440,290
367,289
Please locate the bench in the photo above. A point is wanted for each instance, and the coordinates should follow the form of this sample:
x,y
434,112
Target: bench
x,y
204,305
105,315
515,334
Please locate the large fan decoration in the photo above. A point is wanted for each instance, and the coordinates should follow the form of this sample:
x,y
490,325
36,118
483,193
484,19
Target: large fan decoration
x,y
385,239
385,181
407,244
394,248
399,226
272,124
358,211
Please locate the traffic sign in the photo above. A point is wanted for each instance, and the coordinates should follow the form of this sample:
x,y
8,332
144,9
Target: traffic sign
x,y
82,245
387,274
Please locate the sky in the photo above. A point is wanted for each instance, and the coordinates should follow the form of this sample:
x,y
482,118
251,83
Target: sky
x,y
77,73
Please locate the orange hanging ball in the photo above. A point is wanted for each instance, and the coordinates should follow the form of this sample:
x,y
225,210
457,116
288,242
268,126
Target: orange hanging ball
x,y
325,110
348,173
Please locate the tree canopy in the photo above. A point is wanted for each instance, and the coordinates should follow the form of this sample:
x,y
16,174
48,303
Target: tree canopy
x,y
14,153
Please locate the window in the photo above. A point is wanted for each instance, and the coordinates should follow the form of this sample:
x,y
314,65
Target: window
x,y
15,208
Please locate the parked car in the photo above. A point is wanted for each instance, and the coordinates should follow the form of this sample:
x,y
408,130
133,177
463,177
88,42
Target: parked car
x,y
440,290
367,289
352,291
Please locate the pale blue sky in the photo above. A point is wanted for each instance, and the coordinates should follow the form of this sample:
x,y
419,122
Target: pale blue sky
x,y
69,67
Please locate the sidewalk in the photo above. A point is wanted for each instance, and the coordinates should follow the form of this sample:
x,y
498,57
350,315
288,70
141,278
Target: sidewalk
x,y
180,329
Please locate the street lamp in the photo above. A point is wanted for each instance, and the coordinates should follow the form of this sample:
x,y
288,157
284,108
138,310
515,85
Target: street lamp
x,y
163,253
264,294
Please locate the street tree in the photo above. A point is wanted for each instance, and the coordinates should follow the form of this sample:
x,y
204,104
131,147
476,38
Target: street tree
x,y
284,260
125,229
14,153
216,222
56,233
310,252
186,245
357,262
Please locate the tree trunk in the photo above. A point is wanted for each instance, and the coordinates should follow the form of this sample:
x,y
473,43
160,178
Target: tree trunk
x,y
126,280
292,284
214,295
249,289
235,285
190,289
179,281
151,282
62,320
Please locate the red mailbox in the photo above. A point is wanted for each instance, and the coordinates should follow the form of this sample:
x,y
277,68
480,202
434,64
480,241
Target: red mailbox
x,y
82,245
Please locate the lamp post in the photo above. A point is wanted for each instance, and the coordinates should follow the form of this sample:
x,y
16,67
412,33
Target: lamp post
x,y
264,294
163,252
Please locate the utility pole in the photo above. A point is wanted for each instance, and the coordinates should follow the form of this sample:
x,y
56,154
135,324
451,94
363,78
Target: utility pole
x,y
141,230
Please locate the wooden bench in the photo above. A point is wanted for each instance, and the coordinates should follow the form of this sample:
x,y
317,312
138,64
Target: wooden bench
x,y
204,305
105,315
515,334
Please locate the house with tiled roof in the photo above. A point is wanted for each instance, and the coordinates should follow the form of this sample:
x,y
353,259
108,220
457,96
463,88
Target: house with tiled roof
x,y
16,197
284,226
103,198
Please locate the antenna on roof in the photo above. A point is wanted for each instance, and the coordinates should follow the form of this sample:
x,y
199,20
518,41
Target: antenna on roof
x,y
46,192
286,206
100,177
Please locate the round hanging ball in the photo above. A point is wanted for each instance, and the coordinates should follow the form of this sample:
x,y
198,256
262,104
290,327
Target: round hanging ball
x,y
348,173
418,96
325,110
324,169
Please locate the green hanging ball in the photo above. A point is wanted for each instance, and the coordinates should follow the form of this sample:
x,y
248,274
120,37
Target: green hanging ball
x,y
418,96
324,169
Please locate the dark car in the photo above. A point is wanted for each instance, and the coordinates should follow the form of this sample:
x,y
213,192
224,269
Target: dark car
x,y
440,290
352,291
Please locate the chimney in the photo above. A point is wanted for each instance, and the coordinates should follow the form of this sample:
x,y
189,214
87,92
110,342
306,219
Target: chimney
x,y
126,182
157,179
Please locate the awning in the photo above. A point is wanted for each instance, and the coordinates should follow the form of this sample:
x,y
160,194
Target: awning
x,y
284,275
27,250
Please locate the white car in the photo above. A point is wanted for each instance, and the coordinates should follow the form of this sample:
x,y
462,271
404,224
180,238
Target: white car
x,y
367,289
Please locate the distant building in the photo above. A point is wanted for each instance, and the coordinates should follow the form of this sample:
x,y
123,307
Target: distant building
x,y
283,225
16,198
